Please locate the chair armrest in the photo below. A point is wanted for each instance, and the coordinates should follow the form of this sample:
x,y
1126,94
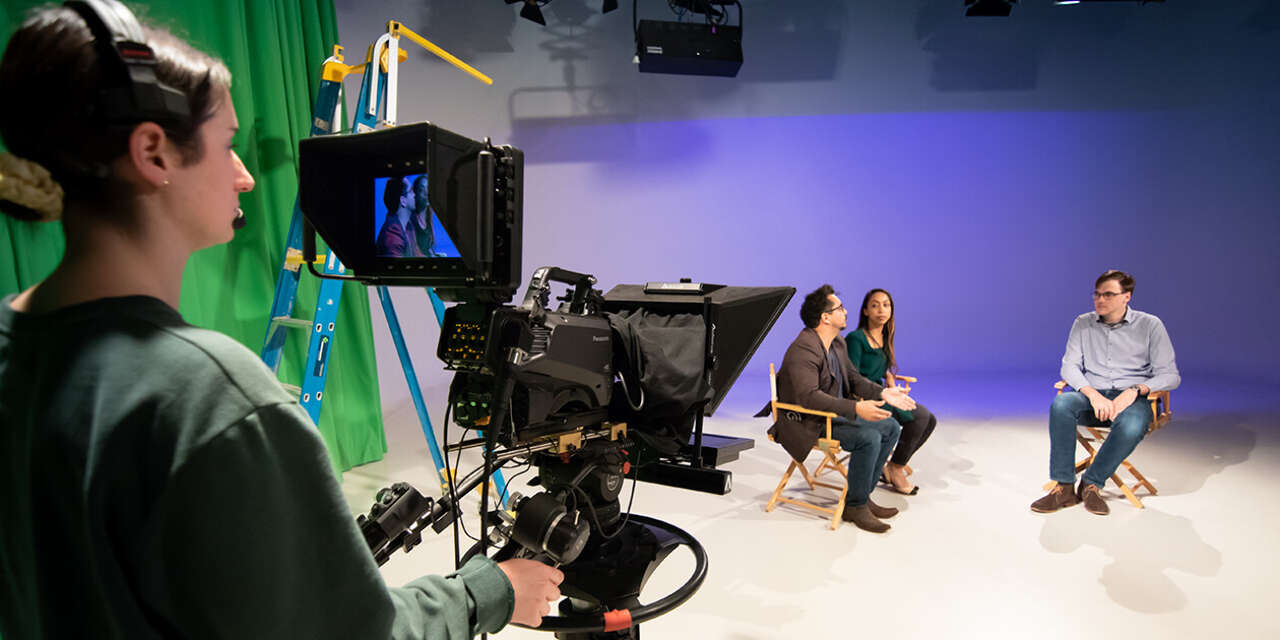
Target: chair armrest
x,y
1159,399
799,409
1060,385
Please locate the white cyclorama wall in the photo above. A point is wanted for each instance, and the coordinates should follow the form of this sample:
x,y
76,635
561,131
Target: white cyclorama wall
x,y
983,170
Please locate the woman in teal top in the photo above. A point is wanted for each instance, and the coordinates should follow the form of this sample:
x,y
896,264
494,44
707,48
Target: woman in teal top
x,y
871,351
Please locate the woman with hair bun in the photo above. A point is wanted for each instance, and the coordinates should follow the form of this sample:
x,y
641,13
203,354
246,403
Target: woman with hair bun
x,y
155,479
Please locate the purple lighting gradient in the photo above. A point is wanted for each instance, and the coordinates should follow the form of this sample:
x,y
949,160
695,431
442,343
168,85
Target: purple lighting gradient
x,y
989,228
985,172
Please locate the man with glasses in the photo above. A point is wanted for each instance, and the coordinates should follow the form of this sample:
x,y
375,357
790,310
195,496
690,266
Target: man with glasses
x,y
816,374
1115,356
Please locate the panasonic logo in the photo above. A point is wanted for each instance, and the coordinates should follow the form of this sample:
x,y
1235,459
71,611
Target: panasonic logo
x,y
599,338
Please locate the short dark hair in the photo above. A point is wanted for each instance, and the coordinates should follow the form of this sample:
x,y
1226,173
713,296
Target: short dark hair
x,y
815,304
392,193
50,72
1125,280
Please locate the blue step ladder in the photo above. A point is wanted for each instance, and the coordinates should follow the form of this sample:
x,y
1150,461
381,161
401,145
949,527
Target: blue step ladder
x,y
327,119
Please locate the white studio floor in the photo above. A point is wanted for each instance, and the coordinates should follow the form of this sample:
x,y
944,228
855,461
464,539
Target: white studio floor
x,y
966,558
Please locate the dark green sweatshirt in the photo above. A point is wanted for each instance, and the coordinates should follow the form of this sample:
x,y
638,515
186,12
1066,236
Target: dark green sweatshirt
x,y
156,481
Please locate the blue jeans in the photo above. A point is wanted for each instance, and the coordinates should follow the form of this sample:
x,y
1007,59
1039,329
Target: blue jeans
x,y
1073,408
868,445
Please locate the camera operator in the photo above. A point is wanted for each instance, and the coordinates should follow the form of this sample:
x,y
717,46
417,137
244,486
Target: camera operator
x,y
155,480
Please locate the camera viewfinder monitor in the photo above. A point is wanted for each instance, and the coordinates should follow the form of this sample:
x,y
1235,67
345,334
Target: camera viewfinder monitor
x,y
417,205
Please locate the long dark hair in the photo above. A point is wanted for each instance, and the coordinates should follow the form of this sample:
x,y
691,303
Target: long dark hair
x,y
886,333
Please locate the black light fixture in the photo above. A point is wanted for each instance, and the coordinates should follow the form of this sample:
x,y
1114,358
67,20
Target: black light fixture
x,y
1065,2
999,8
704,7
532,9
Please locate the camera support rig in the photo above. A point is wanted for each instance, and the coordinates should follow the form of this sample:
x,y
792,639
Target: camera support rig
x,y
604,570
551,386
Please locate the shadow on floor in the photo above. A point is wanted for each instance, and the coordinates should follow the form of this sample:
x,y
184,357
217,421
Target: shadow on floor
x,y
1194,448
1146,546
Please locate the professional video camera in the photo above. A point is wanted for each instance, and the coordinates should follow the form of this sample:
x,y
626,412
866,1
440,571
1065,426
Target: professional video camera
x,y
593,390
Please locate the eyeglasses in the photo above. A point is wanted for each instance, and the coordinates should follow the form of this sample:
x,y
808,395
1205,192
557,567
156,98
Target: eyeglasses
x,y
839,308
1105,295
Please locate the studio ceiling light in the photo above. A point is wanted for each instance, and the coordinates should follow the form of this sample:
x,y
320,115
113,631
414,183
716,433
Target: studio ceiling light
x,y
532,9
999,8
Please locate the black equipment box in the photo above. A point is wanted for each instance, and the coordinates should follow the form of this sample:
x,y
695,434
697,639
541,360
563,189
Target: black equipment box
x,y
689,48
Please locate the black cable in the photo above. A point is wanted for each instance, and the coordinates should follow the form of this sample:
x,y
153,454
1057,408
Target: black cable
x,y
574,491
498,413
622,525
457,462
453,495
513,478
630,501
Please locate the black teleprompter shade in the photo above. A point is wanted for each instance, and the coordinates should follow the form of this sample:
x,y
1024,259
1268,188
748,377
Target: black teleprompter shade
x,y
740,316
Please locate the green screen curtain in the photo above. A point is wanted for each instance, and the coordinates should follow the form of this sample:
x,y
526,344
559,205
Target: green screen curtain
x,y
274,49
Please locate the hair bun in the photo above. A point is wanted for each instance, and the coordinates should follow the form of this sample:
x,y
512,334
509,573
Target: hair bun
x,y
30,186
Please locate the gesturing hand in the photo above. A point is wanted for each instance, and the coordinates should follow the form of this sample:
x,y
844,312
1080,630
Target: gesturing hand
x,y
898,398
536,586
870,410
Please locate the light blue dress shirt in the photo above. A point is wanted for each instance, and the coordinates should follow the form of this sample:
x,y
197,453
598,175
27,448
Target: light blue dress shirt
x,y
1135,350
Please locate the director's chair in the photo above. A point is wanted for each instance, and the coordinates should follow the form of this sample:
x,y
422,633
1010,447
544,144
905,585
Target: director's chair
x,y
1088,436
830,449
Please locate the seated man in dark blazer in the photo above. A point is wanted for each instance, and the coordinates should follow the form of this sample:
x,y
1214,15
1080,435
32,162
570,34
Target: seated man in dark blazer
x,y
816,374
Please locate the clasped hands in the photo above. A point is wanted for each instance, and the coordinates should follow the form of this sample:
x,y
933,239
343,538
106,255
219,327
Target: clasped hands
x,y
1104,409
873,410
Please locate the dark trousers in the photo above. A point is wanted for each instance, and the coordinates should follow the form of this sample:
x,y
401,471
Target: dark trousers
x,y
914,434
868,445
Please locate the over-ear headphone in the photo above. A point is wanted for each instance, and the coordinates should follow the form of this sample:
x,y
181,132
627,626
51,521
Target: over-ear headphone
x,y
131,91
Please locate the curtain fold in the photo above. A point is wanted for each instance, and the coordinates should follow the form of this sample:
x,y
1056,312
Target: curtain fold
x,y
274,49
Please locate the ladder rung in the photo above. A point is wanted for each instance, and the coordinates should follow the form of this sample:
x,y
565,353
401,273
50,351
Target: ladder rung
x,y
294,389
296,323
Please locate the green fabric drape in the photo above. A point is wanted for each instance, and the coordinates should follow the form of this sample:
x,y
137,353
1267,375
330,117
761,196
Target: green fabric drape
x,y
274,49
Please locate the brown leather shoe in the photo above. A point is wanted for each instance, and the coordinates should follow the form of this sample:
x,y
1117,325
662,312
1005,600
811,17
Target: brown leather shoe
x,y
862,518
881,512
1063,495
1091,496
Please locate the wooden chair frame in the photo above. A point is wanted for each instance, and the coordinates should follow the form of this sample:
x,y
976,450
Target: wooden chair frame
x,y
830,449
1087,436
844,462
